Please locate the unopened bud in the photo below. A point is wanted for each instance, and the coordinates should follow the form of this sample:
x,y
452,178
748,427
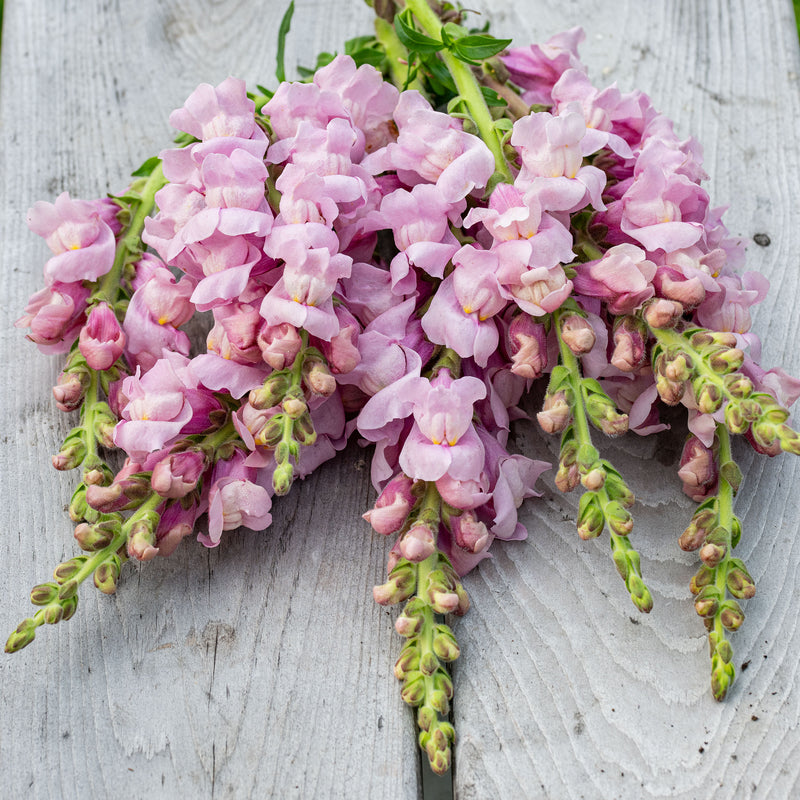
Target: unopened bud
x,y
44,594
400,586
142,538
107,574
731,615
469,532
739,581
577,334
71,389
527,346
594,479
445,645
662,313
739,386
71,454
704,576
735,420
789,440
68,569
426,716
407,661
604,415
706,603
438,701
703,522
413,691
303,430
428,663
555,414
726,361
590,516
708,397
22,636
705,339
618,518
271,392
418,543
53,613
294,407
282,478
669,391
679,368
715,548
630,344
318,377
567,477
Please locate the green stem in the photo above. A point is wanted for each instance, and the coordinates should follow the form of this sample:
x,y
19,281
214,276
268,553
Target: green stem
x,y
397,56
131,241
468,88
570,361
92,458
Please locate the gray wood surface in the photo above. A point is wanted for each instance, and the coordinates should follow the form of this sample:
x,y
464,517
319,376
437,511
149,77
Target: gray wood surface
x,y
263,669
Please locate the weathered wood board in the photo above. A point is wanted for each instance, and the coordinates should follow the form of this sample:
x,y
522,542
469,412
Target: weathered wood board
x,y
263,668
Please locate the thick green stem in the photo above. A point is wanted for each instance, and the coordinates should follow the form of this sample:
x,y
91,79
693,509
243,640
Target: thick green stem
x,y
570,361
468,88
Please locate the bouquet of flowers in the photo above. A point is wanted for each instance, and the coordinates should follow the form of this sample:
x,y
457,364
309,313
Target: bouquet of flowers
x,y
400,248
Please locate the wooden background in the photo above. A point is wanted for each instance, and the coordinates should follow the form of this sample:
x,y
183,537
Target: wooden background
x,y
263,668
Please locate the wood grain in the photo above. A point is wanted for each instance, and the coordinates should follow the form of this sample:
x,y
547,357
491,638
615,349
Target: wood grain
x,y
262,668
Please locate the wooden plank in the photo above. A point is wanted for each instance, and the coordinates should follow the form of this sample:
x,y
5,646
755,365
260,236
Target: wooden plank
x,y
259,669
563,689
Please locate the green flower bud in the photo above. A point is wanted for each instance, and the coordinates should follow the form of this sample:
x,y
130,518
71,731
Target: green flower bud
x,y
303,430
442,682
705,576
407,661
72,452
738,385
428,663
722,675
438,700
735,420
271,392
44,594
731,615
679,368
789,439
594,478
107,574
724,651
708,397
739,581
68,590
282,479
703,522
22,636
70,606
445,645
53,613
639,593
271,433
618,518
669,391
426,716
726,360
413,691
618,490
590,516
706,603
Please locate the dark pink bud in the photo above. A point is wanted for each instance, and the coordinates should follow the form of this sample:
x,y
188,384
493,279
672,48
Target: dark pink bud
x,y
175,524
101,340
392,506
177,474
54,314
527,346
698,470
630,344
555,414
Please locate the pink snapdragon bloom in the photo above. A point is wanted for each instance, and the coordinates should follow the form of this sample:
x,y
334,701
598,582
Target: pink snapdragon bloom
x,y
160,405
622,278
224,111
729,309
526,344
698,470
392,506
101,340
432,147
537,67
443,439
79,234
177,474
552,149
235,499
55,315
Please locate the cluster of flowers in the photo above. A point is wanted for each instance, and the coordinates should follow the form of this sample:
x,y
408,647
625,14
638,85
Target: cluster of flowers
x,y
370,266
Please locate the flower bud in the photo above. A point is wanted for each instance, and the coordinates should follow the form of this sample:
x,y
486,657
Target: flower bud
x,y
294,406
704,576
706,603
726,360
418,543
739,581
527,346
68,569
142,538
107,575
401,585
282,479
739,386
604,415
318,377
413,691
708,397
44,594
392,506
555,414
763,436
71,389
426,716
618,518
271,392
178,473
279,344
72,453
303,430
789,440
590,516
22,636
662,313
618,490
669,391
731,615
428,663
438,701
469,532
101,340
705,339
698,470
577,334
735,420
407,661
445,645
630,344
715,547
679,368
703,522
53,613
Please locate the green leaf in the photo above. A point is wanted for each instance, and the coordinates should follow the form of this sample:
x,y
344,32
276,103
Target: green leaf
x,y
413,40
492,98
286,22
478,47
732,474
146,168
